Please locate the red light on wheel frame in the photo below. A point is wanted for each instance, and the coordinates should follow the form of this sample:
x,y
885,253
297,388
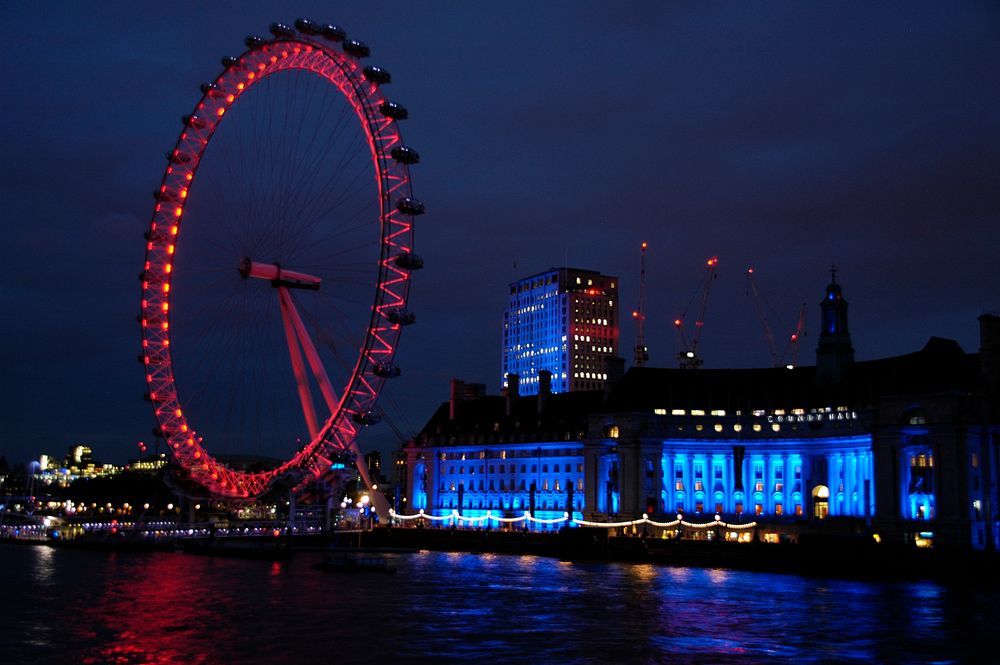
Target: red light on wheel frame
x,y
257,71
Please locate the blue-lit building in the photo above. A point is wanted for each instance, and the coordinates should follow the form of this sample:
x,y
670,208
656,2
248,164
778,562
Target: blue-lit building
x,y
564,321
907,447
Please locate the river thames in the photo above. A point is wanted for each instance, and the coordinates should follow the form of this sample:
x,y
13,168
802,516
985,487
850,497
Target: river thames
x,y
71,606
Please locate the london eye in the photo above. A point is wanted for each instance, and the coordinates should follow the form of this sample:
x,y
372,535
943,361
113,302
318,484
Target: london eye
x,y
278,263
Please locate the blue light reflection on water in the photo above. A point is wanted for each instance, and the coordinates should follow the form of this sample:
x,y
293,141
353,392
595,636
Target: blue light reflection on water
x,y
64,606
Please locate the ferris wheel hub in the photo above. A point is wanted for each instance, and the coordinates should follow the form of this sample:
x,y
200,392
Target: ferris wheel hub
x,y
278,276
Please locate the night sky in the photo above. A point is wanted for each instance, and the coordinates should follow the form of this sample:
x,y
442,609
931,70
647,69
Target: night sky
x,y
786,136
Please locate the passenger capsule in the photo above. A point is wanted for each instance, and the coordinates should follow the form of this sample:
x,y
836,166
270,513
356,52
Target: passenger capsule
x,y
377,75
356,48
193,121
405,155
280,30
307,26
410,206
210,89
408,261
366,418
402,317
231,61
386,370
393,110
253,41
334,33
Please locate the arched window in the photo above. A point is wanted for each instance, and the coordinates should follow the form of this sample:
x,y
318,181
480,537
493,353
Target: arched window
x,y
821,501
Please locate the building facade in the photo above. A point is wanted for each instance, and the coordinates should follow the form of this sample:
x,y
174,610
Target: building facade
x,y
564,321
906,448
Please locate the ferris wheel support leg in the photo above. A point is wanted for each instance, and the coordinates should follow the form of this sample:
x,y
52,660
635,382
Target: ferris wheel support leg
x,y
298,367
325,387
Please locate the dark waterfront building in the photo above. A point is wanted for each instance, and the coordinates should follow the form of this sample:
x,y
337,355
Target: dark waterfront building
x,y
907,447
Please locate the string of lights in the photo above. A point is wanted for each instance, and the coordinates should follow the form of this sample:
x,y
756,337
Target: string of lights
x,y
527,517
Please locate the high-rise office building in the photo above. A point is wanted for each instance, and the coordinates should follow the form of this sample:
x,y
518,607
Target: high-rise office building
x,y
565,321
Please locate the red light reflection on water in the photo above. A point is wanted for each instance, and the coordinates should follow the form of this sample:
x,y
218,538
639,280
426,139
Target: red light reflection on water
x,y
162,616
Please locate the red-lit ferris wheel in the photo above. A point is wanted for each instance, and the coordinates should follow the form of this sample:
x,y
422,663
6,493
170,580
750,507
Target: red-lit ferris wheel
x,y
278,263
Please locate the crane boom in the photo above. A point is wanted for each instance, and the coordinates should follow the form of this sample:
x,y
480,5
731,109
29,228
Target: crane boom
x,y
688,356
792,348
641,352
758,304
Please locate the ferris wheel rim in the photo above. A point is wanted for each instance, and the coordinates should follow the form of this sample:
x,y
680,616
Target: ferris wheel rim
x,y
379,120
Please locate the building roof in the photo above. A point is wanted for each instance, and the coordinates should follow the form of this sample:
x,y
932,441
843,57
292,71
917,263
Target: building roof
x,y
485,419
941,366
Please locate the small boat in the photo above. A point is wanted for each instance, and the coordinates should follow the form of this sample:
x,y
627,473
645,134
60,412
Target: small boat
x,y
355,564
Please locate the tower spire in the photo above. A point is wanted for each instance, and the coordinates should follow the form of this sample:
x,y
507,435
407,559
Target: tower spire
x,y
834,352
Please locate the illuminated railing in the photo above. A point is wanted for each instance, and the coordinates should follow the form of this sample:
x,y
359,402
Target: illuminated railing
x,y
527,517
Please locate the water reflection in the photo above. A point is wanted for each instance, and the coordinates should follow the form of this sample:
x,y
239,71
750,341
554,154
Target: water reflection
x,y
171,608
43,573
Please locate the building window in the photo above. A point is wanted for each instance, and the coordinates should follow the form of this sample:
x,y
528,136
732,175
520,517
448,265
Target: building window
x,y
778,509
758,509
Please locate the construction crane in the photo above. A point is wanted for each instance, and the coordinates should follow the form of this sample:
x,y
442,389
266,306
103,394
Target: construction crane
x,y
639,315
758,304
688,356
789,355
791,352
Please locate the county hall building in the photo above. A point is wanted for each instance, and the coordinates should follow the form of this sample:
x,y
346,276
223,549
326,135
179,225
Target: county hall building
x,y
906,447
